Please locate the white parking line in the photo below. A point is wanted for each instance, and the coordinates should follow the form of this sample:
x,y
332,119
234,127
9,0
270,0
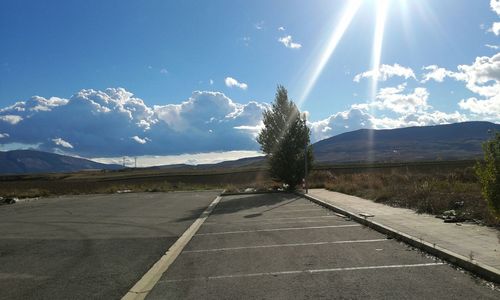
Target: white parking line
x,y
284,245
142,287
280,229
251,223
260,220
314,271
319,208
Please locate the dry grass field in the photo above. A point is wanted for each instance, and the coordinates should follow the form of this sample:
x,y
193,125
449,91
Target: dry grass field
x,y
426,187
432,187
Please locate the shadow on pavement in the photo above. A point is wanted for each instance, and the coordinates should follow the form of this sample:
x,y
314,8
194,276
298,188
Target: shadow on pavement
x,y
233,204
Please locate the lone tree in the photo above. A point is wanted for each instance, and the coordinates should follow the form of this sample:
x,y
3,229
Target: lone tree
x,y
284,139
488,173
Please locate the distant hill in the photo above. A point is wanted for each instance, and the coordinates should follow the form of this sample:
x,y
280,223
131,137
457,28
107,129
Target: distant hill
x,y
440,142
256,161
30,161
457,141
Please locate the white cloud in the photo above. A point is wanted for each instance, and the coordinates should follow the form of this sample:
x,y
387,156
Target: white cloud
x,y
495,28
488,108
113,122
438,74
494,47
190,159
211,82
495,6
358,117
288,42
393,99
11,119
281,28
259,25
164,71
482,78
231,82
62,143
385,72
4,135
139,140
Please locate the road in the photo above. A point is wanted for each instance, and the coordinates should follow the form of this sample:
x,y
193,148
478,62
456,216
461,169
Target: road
x,y
279,246
89,247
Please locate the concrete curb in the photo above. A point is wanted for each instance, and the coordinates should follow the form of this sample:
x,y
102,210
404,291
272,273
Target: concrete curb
x,y
145,285
482,270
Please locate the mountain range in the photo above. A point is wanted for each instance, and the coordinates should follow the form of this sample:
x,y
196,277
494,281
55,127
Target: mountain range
x,y
31,161
426,143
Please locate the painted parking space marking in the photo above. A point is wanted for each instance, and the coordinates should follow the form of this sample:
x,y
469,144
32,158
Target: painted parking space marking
x,y
250,223
297,272
260,220
283,245
279,229
319,208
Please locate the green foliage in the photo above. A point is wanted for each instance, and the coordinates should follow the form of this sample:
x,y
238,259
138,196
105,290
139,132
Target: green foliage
x,y
488,173
284,138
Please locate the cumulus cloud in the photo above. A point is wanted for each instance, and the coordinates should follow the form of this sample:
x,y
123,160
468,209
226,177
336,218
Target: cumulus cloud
x,y
4,135
11,119
489,108
393,98
62,143
191,159
495,6
434,72
281,28
231,82
114,122
394,107
359,117
385,72
288,42
495,28
482,77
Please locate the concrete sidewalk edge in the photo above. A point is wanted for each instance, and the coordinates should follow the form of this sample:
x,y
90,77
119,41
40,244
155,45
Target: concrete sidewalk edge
x,y
484,271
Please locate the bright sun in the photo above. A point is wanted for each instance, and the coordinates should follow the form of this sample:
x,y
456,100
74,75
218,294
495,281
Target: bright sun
x,y
347,15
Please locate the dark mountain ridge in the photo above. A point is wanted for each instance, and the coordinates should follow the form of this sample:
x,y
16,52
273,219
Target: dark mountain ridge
x,y
439,142
459,141
31,161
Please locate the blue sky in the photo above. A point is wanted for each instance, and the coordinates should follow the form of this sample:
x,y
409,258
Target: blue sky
x,y
164,51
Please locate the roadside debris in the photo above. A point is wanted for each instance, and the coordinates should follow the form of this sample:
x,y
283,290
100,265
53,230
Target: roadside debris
x,y
123,191
9,200
451,216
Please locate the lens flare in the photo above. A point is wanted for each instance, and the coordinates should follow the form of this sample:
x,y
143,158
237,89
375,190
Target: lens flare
x,y
335,37
378,39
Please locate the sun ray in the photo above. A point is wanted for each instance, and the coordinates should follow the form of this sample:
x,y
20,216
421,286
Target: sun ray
x,y
335,37
378,40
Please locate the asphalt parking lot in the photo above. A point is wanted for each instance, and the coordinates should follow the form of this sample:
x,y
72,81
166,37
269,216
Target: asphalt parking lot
x,y
279,246
89,247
